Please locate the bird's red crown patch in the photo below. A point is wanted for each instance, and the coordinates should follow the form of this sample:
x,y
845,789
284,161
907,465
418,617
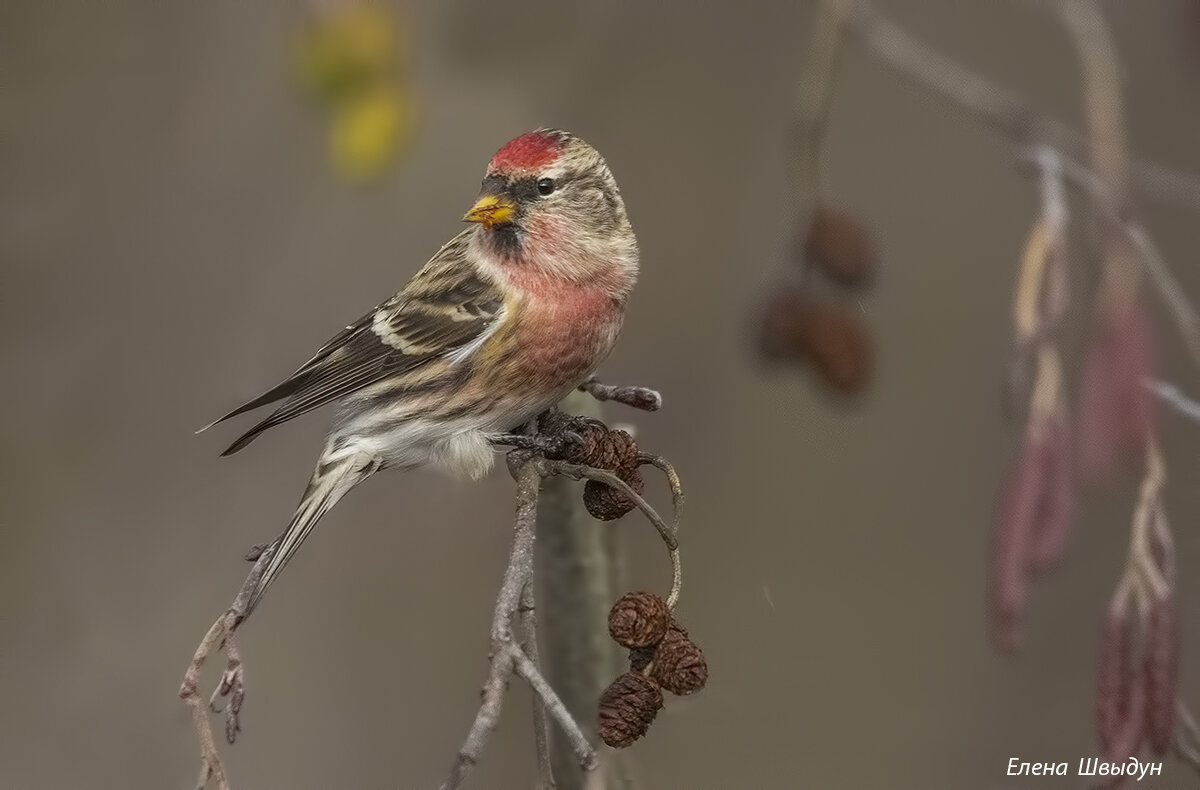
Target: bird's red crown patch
x,y
530,151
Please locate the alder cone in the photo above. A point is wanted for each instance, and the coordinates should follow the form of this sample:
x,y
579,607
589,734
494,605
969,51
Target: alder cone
x,y
840,246
638,620
679,665
606,503
781,331
838,346
640,658
601,448
796,326
628,708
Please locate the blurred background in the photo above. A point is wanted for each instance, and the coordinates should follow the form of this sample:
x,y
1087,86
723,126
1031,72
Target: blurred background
x,y
182,223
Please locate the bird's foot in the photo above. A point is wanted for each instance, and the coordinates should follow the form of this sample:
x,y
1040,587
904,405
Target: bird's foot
x,y
555,446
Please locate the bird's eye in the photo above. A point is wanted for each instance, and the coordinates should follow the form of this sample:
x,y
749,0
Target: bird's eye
x,y
545,186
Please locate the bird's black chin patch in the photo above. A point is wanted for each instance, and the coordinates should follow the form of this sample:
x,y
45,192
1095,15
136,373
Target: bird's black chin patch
x,y
506,239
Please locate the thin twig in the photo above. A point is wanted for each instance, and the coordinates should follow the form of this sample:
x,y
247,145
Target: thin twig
x,y
1004,110
676,486
507,657
541,730
577,472
1104,105
1174,397
1186,743
232,684
1164,552
816,92
1010,114
210,760
516,576
1040,298
584,751
1151,582
1185,315
1107,155
485,720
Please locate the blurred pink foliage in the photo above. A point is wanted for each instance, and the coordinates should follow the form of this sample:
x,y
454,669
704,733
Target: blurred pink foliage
x,y
1116,414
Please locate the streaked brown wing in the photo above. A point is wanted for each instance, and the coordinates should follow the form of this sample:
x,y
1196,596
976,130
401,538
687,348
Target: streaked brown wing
x,y
445,307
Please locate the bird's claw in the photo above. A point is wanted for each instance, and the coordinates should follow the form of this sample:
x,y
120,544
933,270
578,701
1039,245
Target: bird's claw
x,y
571,442
556,446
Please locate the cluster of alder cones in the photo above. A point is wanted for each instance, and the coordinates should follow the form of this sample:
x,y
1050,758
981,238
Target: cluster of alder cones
x,y
803,322
661,657
600,447
661,654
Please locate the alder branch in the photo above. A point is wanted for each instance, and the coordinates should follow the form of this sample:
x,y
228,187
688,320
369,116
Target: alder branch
x,y
1003,109
541,727
507,657
515,603
578,472
1104,111
1173,396
1184,314
232,684
529,469
1148,579
1149,575
577,568
1053,148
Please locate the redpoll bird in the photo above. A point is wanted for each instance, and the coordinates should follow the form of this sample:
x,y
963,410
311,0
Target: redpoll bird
x,y
503,322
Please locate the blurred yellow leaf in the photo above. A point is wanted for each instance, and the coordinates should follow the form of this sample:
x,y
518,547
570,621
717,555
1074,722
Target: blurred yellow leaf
x,y
341,50
369,130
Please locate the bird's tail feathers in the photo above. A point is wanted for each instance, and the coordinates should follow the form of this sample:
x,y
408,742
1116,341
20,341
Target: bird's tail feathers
x,y
335,475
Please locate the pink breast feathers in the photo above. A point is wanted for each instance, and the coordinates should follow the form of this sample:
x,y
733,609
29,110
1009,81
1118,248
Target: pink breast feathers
x,y
566,335
529,152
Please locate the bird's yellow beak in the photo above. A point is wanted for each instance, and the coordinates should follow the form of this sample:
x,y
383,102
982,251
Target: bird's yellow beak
x,y
491,210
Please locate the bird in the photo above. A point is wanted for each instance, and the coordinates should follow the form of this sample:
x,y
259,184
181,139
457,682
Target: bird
x,y
506,319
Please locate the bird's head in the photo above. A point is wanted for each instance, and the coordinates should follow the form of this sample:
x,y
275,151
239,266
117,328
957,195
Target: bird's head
x,y
549,198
